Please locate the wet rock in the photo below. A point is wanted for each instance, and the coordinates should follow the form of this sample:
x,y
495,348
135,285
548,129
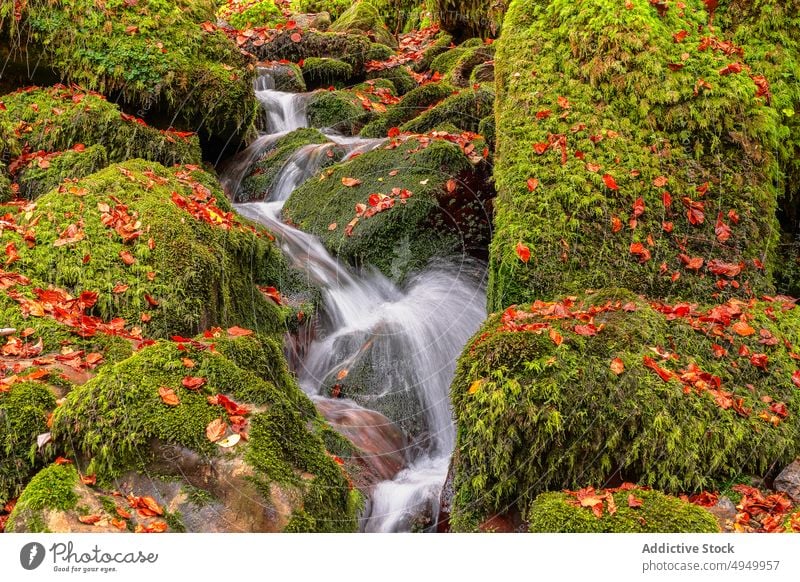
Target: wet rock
x,y
320,21
789,481
725,512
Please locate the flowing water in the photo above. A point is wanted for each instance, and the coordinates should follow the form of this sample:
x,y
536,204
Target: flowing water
x,y
410,336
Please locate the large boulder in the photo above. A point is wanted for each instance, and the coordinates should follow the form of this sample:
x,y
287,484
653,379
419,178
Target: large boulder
x,y
400,205
645,160
365,18
412,104
607,385
157,247
155,56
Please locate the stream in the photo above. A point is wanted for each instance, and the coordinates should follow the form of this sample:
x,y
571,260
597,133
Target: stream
x,y
410,335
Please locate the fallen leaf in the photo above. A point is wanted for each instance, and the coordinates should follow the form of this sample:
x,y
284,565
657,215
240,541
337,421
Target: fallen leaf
x,y
216,429
168,396
237,331
523,252
633,501
609,181
350,182
230,440
741,328
193,382
617,366
89,519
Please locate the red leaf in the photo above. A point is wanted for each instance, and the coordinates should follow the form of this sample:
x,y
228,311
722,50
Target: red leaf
x,y
633,501
237,331
558,339
759,361
533,183
617,366
722,230
616,224
150,300
127,258
588,330
193,382
664,374
451,185
523,252
718,350
540,148
779,408
638,207
640,251
296,37
610,183
741,328
89,519
393,132
691,263
796,378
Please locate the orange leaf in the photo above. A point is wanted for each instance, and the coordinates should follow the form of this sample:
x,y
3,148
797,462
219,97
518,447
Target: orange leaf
x,y
89,519
237,331
127,258
88,479
617,366
168,396
741,328
193,382
216,429
523,252
633,501
350,182
533,183
556,337
660,181
609,181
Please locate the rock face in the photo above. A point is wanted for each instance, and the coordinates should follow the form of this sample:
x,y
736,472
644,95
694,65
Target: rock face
x,y
789,481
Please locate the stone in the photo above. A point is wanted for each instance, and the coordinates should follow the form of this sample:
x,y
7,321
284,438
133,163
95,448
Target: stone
x,y
789,481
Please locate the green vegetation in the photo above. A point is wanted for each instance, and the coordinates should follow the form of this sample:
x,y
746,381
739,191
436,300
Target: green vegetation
x,y
243,14
58,118
364,17
537,415
464,110
153,53
605,98
470,17
399,76
340,111
23,416
325,72
53,488
35,180
411,105
405,237
193,275
659,513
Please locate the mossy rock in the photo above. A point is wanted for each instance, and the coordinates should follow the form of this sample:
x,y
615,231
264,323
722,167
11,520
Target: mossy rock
x,y
243,14
59,118
379,52
364,17
35,180
115,419
445,62
486,129
412,104
167,64
325,72
23,416
464,110
659,513
441,45
534,416
333,7
431,222
5,185
482,73
257,184
350,48
196,274
286,77
340,111
399,76
461,73
52,489
646,129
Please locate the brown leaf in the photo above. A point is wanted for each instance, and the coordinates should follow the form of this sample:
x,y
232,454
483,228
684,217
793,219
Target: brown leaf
x,y
216,429
350,182
168,396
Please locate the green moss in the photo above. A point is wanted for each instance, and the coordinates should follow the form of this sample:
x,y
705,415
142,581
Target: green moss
x,y
464,110
441,45
288,77
403,238
462,69
659,513
350,48
333,7
203,275
5,185
399,76
35,180
53,488
340,111
638,120
535,417
59,118
243,14
486,128
482,73
23,416
363,16
410,106
379,52
168,63
256,185
469,17
446,61
325,72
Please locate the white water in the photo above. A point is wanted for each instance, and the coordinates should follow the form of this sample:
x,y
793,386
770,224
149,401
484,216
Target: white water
x,y
410,336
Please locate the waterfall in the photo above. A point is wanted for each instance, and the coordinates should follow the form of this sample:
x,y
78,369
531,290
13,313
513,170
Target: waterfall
x,y
411,335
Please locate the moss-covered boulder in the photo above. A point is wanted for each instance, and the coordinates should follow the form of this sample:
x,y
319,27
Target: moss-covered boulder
x,y
157,247
410,106
285,77
364,17
123,419
399,205
635,510
24,409
333,7
340,111
400,76
257,184
466,18
45,172
59,118
461,72
679,397
464,110
51,490
441,44
652,160
325,72
155,55
350,48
